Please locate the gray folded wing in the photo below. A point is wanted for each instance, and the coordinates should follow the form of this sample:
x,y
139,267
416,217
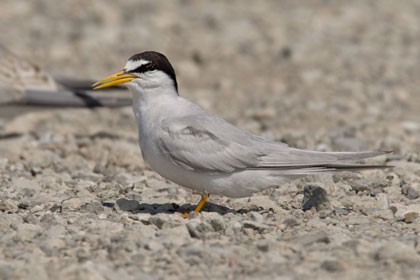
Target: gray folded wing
x,y
21,82
206,143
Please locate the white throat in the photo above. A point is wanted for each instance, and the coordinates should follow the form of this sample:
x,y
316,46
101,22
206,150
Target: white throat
x,y
153,93
152,85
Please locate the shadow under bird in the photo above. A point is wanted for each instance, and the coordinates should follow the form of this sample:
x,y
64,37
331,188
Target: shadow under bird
x,y
198,150
23,83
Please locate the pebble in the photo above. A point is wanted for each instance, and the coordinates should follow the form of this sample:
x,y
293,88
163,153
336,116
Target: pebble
x,y
159,220
382,201
198,229
73,204
8,205
314,197
217,222
263,245
127,205
333,266
410,192
410,217
254,226
400,211
257,217
290,222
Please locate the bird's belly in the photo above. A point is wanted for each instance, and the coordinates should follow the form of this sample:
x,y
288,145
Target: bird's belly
x,y
167,169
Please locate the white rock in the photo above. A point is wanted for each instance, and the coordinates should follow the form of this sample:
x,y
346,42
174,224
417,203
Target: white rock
x,y
382,201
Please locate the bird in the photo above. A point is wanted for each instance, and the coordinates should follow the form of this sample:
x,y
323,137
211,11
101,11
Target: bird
x,y
199,150
23,83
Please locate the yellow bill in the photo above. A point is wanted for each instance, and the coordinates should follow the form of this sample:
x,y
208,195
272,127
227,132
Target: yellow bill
x,y
114,79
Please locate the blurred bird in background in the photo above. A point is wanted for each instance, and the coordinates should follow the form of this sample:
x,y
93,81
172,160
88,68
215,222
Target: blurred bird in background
x,y
23,83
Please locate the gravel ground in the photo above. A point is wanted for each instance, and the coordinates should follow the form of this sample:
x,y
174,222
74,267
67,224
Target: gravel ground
x,y
78,202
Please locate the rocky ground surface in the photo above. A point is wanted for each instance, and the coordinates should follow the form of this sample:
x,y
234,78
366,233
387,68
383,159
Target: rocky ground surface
x,y
78,202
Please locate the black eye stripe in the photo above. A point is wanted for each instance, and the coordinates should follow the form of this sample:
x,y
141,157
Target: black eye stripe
x,y
143,68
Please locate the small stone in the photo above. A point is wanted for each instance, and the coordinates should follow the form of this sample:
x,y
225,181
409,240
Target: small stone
x,y
8,205
217,222
409,191
31,219
332,266
100,169
83,254
233,227
94,207
290,222
375,191
257,217
400,210
382,201
25,203
159,220
385,215
314,196
342,211
72,204
410,217
127,205
198,229
108,204
193,215
263,245
359,186
254,226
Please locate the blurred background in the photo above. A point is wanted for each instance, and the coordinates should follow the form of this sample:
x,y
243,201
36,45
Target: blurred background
x,y
310,65
318,74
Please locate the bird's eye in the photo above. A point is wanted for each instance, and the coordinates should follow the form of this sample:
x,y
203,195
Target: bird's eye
x,y
149,67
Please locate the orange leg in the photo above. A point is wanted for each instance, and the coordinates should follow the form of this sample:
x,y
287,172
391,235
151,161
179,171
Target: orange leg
x,y
204,198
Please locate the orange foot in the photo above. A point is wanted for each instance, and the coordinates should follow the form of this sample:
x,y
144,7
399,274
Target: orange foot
x,y
204,198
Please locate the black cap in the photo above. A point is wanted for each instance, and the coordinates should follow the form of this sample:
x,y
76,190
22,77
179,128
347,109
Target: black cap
x,y
155,61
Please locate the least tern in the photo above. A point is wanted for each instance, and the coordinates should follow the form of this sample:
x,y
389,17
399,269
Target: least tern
x,y
198,150
23,83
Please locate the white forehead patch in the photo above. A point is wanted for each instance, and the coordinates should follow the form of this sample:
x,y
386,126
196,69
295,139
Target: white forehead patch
x,y
133,64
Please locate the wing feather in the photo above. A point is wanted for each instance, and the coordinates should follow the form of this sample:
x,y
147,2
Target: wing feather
x,y
206,143
198,149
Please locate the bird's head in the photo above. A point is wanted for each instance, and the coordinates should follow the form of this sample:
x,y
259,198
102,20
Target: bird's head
x,y
145,70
